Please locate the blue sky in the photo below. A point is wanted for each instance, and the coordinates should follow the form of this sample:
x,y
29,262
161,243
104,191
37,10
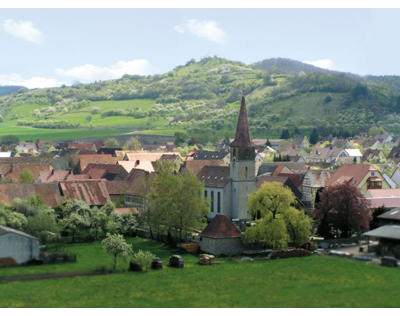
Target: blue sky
x,y
49,47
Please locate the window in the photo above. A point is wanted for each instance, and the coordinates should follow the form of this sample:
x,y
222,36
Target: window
x,y
205,193
219,202
246,171
212,201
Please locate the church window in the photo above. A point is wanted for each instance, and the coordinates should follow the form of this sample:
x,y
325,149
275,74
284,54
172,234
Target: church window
x,y
219,202
212,201
246,171
205,193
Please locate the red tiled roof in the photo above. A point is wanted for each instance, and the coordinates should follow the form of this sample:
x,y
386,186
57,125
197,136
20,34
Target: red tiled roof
x,y
11,172
93,192
214,176
125,210
48,191
195,166
354,172
220,227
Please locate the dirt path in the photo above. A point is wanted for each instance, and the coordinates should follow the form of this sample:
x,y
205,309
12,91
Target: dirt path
x,y
33,277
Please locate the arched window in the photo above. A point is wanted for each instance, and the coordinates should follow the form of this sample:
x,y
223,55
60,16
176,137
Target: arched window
x,y
246,172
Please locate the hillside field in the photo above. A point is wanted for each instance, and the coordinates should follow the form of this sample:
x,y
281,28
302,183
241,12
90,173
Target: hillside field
x,y
316,281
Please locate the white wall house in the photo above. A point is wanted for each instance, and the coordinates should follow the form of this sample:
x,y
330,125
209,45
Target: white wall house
x,y
18,245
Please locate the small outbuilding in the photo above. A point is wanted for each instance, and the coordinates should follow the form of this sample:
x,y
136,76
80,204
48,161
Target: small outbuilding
x,y
221,237
18,245
389,240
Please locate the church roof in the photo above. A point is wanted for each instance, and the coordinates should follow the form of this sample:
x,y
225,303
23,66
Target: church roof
x,y
214,176
220,227
242,138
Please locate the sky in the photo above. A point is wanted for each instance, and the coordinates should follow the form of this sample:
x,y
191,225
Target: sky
x,y
49,47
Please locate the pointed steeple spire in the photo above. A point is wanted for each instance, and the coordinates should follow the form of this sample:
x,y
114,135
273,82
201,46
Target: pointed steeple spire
x,y
242,138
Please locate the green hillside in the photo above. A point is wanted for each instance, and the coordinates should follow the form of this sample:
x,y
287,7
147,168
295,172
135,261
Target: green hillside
x,y
202,98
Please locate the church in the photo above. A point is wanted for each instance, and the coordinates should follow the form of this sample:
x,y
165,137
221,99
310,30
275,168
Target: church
x,y
227,187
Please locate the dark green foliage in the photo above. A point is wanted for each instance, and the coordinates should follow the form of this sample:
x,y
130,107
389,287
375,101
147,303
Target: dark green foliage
x,y
314,137
9,140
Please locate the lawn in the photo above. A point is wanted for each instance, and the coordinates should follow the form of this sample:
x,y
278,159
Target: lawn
x,y
317,281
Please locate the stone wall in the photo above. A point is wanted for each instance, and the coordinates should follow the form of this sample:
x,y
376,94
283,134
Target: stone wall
x,y
221,246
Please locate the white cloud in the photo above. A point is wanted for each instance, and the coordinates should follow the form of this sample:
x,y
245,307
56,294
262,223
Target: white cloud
x,y
24,30
30,83
323,63
89,72
203,29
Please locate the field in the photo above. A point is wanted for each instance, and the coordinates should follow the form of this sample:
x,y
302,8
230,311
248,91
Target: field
x,y
317,281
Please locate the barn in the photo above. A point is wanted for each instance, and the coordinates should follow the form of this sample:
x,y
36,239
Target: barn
x,y
18,245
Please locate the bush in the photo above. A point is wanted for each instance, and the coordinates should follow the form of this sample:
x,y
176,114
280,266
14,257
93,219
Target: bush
x,y
8,262
142,259
280,254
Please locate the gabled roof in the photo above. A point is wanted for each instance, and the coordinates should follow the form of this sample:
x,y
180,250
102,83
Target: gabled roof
x,y
242,138
143,165
93,192
393,215
386,231
11,172
295,167
49,176
220,227
48,191
195,166
395,152
214,176
84,160
210,155
353,152
354,173
7,230
283,180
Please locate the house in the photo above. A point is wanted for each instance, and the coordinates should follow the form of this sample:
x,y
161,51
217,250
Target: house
x,y
391,217
294,152
83,146
18,245
328,155
49,176
349,156
286,167
5,154
129,193
86,159
395,154
389,198
93,192
313,181
396,176
105,171
11,172
27,148
49,192
389,240
284,180
147,166
364,177
373,156
221,237
302,141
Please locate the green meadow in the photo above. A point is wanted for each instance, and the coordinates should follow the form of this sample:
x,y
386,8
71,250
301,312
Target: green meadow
x,y
316,281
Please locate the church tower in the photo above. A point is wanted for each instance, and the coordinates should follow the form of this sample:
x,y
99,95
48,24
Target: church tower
x,y
242,167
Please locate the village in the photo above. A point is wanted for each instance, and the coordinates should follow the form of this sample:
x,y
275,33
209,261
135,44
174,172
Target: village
x,y
335,196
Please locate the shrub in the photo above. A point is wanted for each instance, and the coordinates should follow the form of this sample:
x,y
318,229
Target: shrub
x,y
143,259
8,262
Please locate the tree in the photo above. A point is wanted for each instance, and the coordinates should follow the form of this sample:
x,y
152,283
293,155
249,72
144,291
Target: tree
x,y
26,176
89,118
132,144
180,138
276,221
12,219
174,201
43,224
75,223
111,142
314,137
375,130
285,134
10,140
116,246
98,221
341,211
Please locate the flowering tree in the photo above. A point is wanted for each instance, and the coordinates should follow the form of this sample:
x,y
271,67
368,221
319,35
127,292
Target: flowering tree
x,y
344,209
116,246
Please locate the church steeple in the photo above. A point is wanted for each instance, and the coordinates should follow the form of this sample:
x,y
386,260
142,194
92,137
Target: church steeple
x,y
242,138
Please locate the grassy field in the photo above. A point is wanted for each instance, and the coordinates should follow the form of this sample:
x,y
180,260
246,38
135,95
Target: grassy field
x,y
317,281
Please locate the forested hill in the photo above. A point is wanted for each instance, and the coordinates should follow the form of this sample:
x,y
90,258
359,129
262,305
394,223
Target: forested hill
x,y
4,90
202,97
